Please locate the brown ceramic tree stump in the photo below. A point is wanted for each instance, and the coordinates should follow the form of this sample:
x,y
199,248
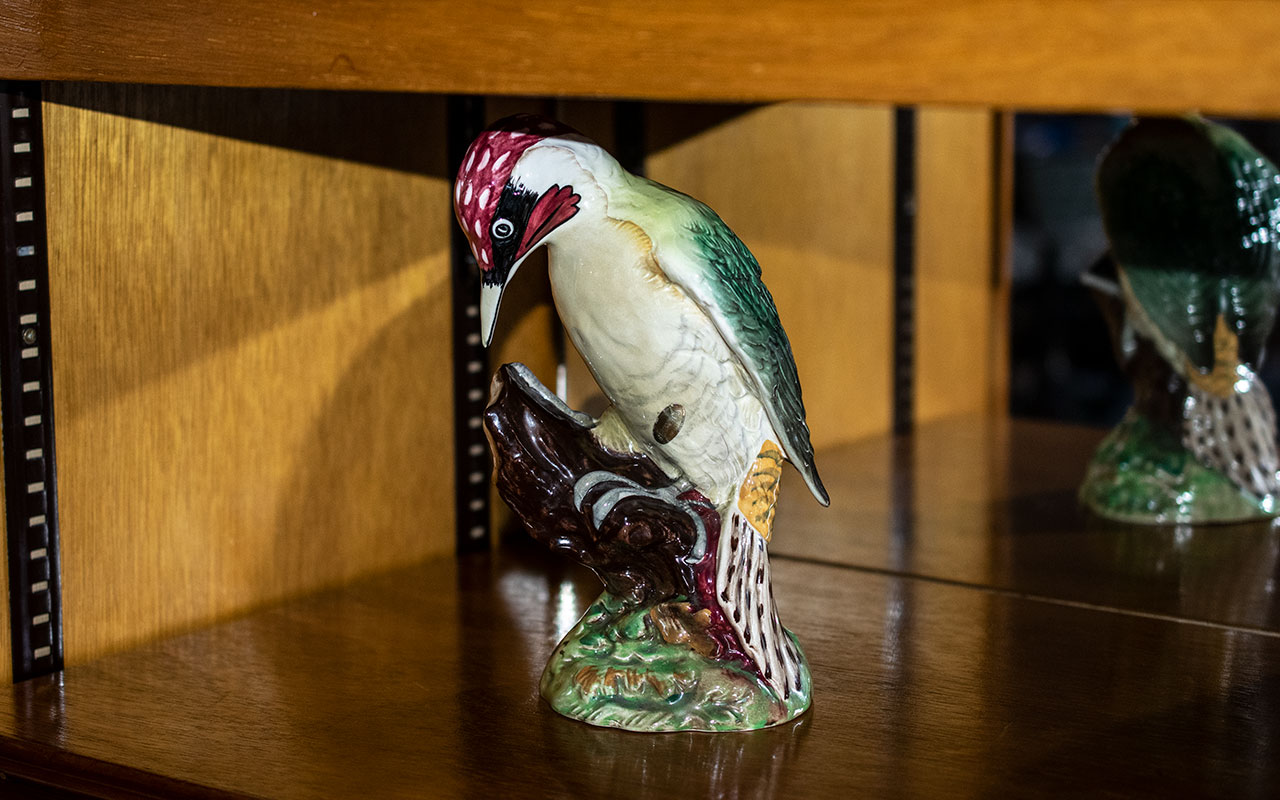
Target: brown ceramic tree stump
x,y
655,651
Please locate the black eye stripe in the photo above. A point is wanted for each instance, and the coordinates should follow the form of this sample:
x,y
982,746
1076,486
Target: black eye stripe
x,y
515,204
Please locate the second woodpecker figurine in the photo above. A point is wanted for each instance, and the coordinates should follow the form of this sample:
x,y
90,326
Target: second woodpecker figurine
x,y
666,306
1190,288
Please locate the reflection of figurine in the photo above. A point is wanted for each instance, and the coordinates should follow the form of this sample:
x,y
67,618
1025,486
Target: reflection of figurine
x,y
666,306
1192,212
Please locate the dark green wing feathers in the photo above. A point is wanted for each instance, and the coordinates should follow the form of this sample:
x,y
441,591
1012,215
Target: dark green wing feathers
x,y
1192,212
757,336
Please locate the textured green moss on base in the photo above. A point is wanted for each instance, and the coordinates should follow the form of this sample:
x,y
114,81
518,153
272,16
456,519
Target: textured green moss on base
x,y
1142,473
614,669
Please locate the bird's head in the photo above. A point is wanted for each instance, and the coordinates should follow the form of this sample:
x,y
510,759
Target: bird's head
x,y
509,202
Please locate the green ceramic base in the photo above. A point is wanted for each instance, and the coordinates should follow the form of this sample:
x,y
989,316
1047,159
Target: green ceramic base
x,y
1142,473
616,670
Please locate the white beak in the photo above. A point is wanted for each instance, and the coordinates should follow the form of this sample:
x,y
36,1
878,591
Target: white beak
x,y
490,300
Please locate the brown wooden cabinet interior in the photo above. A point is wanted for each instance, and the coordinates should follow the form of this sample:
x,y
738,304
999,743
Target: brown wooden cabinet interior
x,y
251,336
251,324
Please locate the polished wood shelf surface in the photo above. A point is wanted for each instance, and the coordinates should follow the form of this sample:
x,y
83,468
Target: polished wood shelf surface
x,y
422,682
1149,55
991,502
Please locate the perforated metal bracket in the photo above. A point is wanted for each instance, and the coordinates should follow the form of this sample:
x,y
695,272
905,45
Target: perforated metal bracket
x,y
26,390
472,464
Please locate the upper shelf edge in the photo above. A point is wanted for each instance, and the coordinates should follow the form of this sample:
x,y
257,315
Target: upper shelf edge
x,y
1145,55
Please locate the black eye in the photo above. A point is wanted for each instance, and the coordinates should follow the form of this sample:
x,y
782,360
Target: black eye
x,y
502,228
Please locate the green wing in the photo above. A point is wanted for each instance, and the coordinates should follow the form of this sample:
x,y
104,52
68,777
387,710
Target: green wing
x,y
1192,212
735,297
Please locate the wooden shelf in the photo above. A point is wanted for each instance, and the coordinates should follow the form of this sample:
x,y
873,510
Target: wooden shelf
x,y
422,682
1149,55
992,503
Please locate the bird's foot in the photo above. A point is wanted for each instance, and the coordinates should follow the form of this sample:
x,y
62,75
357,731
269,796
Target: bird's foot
x,y
623,488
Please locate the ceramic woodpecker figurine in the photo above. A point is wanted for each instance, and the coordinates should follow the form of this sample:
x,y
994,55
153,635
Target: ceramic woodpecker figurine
x,y
667,308
1192,213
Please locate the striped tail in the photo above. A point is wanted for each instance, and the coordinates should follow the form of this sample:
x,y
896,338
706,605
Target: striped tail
x,y
745,593
1235,434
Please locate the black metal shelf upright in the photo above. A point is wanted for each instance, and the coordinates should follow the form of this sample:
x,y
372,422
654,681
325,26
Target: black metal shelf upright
x,y
26,390
472,465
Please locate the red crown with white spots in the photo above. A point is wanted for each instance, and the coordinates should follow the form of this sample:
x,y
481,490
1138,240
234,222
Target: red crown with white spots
x,y
485,170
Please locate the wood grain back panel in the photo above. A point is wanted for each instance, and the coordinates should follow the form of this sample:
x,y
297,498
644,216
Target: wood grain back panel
x,y
1148,55
960,310
250,294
